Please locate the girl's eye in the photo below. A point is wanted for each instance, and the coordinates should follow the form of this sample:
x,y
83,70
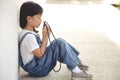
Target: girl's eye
x,y
39,18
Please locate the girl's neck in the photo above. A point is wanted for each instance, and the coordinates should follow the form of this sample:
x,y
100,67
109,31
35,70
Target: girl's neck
x,y
29,28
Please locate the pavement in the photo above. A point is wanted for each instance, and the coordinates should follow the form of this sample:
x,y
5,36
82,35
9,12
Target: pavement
x,y
96,50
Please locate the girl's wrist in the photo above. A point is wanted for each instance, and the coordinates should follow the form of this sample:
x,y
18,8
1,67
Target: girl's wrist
x,y
45,38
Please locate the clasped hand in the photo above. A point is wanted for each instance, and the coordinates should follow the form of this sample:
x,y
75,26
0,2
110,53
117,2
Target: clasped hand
x,y
46,31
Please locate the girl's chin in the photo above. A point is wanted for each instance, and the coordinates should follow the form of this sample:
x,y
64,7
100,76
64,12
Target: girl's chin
x,y
37,27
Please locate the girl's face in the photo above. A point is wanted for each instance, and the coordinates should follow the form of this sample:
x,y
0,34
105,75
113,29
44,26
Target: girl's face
x,y
35,20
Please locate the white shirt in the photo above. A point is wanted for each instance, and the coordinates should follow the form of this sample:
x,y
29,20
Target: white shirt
x,y
28,45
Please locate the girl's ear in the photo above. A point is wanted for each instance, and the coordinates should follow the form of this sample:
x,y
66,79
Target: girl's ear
x,y
28,18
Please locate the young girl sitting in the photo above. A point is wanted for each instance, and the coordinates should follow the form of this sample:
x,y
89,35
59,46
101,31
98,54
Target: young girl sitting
x,y
35,56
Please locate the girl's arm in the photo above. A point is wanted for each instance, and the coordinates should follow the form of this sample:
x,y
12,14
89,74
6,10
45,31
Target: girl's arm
x,y
39,52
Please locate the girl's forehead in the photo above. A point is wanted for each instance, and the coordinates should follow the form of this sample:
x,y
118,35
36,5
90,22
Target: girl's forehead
x,y
39,15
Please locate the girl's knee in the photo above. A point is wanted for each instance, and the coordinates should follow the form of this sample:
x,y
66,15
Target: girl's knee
x,y
60,40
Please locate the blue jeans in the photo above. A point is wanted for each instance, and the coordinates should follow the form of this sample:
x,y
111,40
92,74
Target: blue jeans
x,y
42,66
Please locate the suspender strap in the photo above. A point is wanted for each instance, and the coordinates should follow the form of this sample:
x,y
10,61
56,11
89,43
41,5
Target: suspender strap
x,y
19,45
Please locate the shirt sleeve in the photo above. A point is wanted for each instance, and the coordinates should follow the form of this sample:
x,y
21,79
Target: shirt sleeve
x,y
30,42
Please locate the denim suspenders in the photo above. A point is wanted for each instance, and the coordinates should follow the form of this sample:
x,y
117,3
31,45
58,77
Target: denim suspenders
x,y
19,45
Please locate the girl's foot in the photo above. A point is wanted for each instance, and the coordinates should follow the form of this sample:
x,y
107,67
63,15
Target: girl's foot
x,y
83,67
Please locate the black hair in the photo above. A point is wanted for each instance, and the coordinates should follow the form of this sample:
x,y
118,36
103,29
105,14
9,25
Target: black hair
x,y
29,8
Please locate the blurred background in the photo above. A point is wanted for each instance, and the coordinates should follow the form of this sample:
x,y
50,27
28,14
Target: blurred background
x,y
82,15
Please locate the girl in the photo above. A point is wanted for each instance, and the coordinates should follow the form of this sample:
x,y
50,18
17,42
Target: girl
x,y
35,57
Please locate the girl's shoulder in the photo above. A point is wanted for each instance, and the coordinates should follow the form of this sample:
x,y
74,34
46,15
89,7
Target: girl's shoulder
x,y
23,32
